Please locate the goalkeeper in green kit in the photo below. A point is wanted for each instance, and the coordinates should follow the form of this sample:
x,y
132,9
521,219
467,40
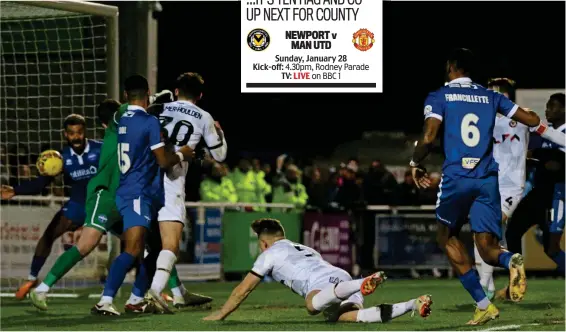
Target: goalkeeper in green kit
x,y
102,216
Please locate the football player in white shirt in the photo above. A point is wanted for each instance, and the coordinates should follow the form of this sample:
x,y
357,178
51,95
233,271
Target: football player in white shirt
x,y
183,123
511,141
325,288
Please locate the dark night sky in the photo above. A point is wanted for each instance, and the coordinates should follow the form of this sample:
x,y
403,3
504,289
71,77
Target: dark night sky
x,y
520,40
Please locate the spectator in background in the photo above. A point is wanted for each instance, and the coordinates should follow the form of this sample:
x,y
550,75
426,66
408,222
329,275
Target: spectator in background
x,y
317,190
428,196
4,166
216,187
408,191
249,187
349,193
380,185
268,177
290,190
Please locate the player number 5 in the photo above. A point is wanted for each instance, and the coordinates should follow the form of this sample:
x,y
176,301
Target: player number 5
x,y
470,133
123,158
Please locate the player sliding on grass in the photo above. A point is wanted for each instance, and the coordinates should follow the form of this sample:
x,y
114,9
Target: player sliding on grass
x,y
102,216
325,288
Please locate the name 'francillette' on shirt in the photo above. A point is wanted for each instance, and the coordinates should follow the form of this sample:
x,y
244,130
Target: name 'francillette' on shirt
x,y
466,98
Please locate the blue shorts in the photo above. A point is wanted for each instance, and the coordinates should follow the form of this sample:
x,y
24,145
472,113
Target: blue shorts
x,y
479,199
557,212
136,212
75,212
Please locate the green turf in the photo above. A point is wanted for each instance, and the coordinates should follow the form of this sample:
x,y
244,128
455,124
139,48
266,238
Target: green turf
x,y
274,307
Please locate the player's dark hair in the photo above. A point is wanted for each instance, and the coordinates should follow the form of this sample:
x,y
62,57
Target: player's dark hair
x,y
268,226
504,85
559,97
190,85
462,59
106,109
136,87
73,120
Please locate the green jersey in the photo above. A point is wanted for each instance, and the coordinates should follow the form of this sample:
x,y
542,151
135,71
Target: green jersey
x,y
108,175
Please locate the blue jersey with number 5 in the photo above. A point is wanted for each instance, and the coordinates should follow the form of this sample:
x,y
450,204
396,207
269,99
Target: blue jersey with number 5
x,y
468,111
138,134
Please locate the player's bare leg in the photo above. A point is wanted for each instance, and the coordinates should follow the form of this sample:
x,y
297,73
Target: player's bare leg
x,y
386,312
486,270
170,236
493,254
461,262
58,226
90,238
319,300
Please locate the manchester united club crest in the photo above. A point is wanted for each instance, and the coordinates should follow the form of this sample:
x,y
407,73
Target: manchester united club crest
x,y
363,40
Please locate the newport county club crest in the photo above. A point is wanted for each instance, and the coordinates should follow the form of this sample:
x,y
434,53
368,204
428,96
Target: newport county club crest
x,y
363,40
258,39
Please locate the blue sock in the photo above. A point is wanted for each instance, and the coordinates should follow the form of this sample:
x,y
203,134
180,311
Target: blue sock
x,y
471,282
559,258
36,265
504,259
142,282
117,273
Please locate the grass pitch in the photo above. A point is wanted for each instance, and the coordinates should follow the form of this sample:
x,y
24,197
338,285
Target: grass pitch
x,y
274,307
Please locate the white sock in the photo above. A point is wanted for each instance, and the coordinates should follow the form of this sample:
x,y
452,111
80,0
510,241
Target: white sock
x,y
369,315
176,291
347,288
32,278
483,304
491,284
485,270
165,262
373,314
134,299
106,299
325,298
42,288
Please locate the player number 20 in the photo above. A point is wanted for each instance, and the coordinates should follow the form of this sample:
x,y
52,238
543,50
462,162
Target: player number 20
x,y
182,129
470,132
123,158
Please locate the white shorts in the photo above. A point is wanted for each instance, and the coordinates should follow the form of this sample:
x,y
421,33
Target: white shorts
x,y
510,200
174,185
328,278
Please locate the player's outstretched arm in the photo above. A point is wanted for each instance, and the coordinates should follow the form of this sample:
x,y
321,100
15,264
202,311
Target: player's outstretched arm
x,y
532,120
33,187
422,149
239,294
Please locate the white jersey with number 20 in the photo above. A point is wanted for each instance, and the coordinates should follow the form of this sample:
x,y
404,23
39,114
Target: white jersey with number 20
x,y
185,124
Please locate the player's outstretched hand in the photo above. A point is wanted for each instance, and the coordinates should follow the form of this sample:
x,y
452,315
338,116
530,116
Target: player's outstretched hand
x,y
420,176
187,152
7,192
214,316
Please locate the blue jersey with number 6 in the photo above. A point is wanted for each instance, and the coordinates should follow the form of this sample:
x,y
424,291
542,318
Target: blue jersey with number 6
x,y
138,134
468,111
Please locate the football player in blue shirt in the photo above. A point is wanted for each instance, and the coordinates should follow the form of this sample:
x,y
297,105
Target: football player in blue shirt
x,y
140,195
469,183
80,163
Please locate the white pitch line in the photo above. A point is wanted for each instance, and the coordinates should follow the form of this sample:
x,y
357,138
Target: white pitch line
x,y
508,327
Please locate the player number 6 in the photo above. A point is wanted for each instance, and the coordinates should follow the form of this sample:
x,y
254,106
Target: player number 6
x,y
470,133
